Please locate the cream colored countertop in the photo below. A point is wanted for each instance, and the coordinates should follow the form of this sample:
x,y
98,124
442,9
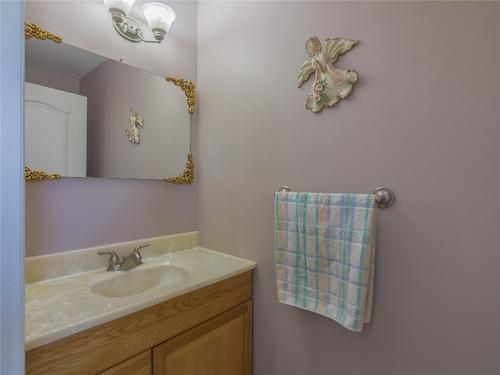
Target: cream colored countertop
x,y
62,306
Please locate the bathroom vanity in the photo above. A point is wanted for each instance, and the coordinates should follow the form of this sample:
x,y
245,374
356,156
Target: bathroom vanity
x,y
186,311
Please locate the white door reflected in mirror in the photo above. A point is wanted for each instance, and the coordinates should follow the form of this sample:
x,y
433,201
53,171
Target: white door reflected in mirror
x,y
55,131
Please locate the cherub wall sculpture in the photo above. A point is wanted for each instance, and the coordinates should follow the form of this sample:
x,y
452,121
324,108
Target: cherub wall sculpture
x,y
134,120
330,84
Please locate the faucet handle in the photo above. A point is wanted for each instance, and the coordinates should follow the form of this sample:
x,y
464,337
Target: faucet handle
x,y
114,259
137,252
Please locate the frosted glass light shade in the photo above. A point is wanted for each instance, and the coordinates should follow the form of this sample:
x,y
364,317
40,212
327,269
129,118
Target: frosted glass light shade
x,y
119,8
159,16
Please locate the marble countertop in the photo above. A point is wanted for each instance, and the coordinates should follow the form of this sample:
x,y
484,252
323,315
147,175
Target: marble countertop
x,y
62,306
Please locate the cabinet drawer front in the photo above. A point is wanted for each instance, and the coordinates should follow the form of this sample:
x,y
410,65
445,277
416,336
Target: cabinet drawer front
x,y
138,365
220,346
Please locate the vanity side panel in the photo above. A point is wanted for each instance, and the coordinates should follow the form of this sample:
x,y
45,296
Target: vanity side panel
x,y
101,347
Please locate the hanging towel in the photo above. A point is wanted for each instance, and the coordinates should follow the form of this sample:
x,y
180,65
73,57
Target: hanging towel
x,y
324,253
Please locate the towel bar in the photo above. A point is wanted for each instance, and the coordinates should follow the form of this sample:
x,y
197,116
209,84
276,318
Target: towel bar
x,y
384,196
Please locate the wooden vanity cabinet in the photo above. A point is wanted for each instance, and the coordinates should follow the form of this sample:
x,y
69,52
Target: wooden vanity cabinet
x,y
220,346
207,331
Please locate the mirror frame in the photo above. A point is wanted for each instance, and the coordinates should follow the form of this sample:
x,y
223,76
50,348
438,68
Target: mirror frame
x,y
32,30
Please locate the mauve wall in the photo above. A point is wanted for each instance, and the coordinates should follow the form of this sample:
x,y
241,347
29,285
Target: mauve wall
x,y
56,81
424,120
75,213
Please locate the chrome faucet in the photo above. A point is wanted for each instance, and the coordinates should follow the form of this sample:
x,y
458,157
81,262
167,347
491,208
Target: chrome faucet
x,y
133,260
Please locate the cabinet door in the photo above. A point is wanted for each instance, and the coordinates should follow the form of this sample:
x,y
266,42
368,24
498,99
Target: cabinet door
x,y
220,346
138,365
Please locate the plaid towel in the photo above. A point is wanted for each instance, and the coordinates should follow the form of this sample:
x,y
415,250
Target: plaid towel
x,y
324,252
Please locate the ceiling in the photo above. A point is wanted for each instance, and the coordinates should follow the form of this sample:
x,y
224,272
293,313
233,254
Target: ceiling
x,y
61,58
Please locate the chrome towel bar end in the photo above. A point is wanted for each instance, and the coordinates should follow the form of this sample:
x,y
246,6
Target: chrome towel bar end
x,y
384,196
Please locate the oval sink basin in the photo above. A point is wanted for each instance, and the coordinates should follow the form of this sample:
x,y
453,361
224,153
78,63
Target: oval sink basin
x,y
128,283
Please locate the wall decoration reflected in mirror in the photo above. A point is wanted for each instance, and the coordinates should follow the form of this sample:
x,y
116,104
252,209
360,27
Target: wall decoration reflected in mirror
x,y
135,121
77,105
330,84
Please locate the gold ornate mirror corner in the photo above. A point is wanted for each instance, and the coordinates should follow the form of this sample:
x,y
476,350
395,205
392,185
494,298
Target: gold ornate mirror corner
x,y
37,176
32,30
187,177
188,88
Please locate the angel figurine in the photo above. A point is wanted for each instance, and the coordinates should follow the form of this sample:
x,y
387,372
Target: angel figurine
x,y
330,84
134,120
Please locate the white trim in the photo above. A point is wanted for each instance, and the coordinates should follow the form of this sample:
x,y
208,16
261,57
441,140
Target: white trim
x,y
11,187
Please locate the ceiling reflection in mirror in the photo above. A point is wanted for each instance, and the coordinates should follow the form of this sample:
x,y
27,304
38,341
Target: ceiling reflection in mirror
x,y
90,116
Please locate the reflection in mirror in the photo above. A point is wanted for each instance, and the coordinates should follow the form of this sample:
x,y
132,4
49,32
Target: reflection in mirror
x,y
89,116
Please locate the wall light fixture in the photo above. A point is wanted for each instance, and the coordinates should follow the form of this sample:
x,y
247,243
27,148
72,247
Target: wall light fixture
x,y
158,15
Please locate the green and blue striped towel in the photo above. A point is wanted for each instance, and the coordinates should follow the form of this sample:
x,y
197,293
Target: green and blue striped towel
x,y
324,252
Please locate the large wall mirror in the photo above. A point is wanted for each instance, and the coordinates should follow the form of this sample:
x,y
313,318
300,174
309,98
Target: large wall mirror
x,y
89,116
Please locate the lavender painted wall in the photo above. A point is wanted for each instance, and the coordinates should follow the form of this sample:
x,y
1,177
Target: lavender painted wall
x,y
75,213
424,120
48,79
